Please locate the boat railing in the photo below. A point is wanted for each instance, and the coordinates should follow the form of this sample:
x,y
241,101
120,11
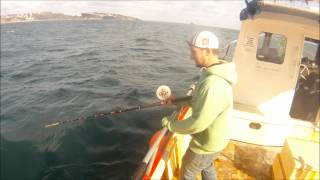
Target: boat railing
x,y
163,160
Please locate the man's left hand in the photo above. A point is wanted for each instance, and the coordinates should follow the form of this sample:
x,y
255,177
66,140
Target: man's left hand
x,y
165,121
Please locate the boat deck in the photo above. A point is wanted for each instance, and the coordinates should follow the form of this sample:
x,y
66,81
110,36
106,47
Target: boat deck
x,y
245,161
227,170
242,161
238,160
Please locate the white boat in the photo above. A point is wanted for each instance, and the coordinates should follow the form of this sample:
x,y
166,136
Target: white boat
x,y
275,125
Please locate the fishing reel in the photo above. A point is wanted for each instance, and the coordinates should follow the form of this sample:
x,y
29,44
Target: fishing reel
x,y
163,92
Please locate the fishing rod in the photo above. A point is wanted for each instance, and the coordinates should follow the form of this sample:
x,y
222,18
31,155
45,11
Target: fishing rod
x,y
163,93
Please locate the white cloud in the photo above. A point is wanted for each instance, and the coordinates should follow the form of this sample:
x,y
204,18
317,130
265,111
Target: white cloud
x,y
211,13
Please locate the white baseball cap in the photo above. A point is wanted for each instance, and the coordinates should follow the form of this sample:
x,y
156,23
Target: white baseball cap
x,y
204,39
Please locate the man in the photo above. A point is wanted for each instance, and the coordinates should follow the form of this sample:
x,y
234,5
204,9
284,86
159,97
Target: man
x,y
212,103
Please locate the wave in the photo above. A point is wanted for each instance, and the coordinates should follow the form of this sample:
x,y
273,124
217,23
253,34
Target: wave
x,y
107,82
57,50
83,54
21,75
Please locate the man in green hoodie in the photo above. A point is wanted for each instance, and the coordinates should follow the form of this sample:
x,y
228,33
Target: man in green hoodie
x,y
212,103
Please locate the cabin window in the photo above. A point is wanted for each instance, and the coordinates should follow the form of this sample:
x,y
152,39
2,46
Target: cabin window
x,y
271,47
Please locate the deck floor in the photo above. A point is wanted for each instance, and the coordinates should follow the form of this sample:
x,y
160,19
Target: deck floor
x,y
243,161
226,170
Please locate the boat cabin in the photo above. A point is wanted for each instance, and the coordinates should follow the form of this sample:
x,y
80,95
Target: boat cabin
x,y
275,122
277,62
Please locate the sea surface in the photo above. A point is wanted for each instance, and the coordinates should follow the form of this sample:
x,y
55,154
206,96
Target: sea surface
x,y
61,70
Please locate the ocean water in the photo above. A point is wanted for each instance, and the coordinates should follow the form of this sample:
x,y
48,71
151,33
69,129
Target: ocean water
x,y
62,70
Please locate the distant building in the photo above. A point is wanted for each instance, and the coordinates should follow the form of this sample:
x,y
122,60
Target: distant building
x,y
29,17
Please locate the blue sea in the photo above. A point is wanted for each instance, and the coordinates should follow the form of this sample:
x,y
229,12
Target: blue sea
x,y
61,70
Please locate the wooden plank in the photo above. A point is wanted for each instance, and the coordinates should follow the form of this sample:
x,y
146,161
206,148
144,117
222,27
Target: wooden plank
x,y
277,169
300,159
286,160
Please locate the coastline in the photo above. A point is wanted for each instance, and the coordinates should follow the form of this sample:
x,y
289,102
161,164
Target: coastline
x,y
50,16
46,20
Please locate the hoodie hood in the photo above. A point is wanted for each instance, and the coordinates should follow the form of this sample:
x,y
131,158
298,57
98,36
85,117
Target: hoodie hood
x,y
225,71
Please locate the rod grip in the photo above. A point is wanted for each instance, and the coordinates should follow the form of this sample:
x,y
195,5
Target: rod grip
x,y
182,99
139,172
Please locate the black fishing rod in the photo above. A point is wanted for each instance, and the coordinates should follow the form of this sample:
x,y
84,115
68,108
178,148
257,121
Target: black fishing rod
x,y
163,94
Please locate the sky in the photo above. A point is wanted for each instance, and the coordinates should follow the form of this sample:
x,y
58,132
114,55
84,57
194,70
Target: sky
x,y
209,13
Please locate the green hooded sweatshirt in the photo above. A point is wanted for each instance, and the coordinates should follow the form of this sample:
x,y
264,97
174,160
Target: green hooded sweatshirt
x,y
212,103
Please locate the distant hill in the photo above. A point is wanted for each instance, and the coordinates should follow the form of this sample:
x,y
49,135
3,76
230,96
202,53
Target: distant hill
x,y
49,16
108,16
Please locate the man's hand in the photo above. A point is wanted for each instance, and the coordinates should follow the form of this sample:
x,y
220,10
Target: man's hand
x,y
168,101
165,121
